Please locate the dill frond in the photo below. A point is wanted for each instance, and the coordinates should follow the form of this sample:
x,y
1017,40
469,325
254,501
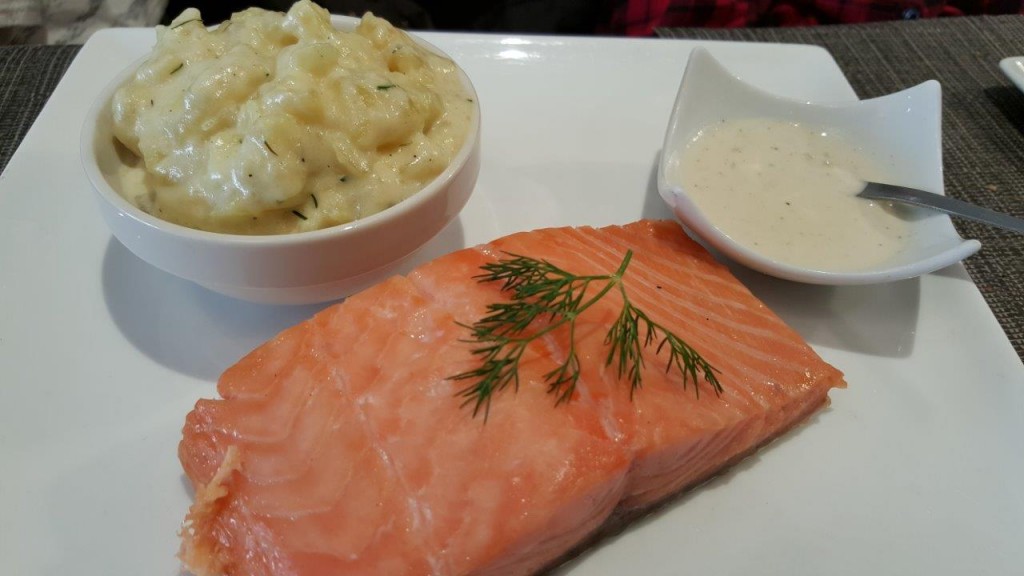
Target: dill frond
x,y
540,290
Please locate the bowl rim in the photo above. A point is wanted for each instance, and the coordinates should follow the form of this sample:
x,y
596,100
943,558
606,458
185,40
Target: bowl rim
x,y
688,213
101,105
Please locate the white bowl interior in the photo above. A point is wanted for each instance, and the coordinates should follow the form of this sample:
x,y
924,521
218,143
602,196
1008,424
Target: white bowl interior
x,y
296,268
901,131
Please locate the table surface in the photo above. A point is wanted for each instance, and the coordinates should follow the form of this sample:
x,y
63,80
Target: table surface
x,y
983,120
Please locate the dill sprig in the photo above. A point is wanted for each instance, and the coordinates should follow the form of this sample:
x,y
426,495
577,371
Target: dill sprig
x,y
541,291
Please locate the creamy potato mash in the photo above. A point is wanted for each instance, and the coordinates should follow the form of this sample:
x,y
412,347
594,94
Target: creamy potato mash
x,y
275,123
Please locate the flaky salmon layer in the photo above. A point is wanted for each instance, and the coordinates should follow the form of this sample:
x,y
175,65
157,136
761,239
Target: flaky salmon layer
x,y
339,447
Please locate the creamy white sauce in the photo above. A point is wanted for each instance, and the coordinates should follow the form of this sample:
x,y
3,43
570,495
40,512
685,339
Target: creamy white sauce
x,y
788,192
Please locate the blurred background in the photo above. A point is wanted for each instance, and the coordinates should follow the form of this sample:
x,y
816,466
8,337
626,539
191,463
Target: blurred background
x,y
538,16
73,21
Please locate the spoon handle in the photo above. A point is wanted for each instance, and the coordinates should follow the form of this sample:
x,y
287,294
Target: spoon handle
x,y
879,191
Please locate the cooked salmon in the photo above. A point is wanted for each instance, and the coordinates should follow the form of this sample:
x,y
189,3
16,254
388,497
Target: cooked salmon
x,y
341,447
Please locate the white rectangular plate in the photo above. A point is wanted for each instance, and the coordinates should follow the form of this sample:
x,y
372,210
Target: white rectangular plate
x,y
915,469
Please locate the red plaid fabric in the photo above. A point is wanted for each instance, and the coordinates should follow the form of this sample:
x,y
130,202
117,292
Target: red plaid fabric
x,y
641,17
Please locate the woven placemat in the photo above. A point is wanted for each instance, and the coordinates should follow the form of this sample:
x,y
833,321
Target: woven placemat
x,y
28,75
983,120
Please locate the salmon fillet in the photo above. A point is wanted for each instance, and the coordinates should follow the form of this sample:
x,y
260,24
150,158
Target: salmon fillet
x,y
339,447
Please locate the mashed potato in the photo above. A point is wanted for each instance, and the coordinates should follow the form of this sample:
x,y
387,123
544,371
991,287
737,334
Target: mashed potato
x,y
277,123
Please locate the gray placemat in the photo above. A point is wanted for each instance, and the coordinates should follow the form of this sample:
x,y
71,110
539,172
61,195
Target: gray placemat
x,y
28,75
983,120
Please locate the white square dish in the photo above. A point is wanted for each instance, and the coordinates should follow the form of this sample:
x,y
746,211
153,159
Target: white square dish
x,y
913,470
1013,68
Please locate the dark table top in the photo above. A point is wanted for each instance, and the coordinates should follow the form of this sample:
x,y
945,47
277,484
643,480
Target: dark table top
x,y
983,115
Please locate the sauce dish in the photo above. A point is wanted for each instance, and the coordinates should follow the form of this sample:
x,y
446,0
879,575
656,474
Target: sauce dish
x,y
901,133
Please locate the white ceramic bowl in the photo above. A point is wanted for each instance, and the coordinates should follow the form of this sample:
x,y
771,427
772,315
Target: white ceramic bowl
x,y
1013,67
299,268
905,126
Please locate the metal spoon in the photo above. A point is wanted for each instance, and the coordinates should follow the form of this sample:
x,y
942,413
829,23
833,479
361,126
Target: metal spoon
x,y
878,191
